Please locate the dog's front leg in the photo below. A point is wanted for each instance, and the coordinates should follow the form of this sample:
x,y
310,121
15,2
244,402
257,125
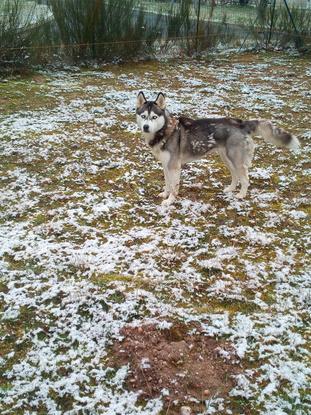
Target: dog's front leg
x,y
166,191
173,178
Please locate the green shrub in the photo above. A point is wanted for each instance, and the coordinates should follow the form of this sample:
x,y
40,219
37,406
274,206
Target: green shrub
x,y
25,37
276,25
79,30
15,32
285,29
102,29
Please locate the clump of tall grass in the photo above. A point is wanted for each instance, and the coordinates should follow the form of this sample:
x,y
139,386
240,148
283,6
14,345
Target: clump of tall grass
x,y
23,31
195,29
79,30
281,27
179,25
102,29
211,34
178,20
302,21
15,31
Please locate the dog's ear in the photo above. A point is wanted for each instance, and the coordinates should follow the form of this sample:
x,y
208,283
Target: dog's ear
x,y
160,101
140,100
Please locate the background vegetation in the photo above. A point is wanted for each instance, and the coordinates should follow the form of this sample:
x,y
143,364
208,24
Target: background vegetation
x,y
76,31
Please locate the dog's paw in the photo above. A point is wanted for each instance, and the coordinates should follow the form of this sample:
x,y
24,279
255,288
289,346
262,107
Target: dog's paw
x,y
229,189
169,201
164,194
241,195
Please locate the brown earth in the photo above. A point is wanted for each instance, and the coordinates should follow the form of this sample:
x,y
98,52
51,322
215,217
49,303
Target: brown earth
x,y
190,367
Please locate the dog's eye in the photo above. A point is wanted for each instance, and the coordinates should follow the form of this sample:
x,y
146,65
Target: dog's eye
x,y
154,117
143,116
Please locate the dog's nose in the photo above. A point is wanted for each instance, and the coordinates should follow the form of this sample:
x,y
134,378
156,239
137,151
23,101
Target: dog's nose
x,y
146,128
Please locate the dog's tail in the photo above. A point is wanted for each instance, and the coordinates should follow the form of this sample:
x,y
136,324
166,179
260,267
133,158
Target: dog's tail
x,y
272,134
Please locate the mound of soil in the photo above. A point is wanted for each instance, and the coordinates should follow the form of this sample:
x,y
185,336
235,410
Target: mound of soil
x,y
184,368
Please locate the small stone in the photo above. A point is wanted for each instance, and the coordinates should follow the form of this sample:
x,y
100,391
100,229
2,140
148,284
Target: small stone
x,y
185,410
206,392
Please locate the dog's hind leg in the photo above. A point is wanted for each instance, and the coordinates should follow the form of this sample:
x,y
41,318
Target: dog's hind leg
x,y
234,181
240,151
229,164
242,172
246,161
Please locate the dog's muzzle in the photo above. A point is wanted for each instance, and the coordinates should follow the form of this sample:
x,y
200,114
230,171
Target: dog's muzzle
x,y
146,128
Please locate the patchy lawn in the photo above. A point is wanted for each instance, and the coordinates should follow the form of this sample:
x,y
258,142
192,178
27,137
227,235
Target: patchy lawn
x,y
104,292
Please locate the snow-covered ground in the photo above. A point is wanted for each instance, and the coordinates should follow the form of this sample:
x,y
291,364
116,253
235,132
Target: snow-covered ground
x,y
85,247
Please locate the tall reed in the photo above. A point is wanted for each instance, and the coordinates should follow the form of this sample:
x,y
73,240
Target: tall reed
x,y
79,30
102,29
15,31
276,27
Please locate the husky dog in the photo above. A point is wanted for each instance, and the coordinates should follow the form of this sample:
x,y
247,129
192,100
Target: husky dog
x,y
176,142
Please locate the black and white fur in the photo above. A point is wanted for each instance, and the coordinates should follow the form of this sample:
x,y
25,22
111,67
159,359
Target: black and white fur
x,y
175,143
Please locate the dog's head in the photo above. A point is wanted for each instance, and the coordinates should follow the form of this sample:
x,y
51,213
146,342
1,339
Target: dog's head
x,y
150,115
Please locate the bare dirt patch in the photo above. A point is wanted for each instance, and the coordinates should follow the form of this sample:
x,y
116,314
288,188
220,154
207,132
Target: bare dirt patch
x,y
181,363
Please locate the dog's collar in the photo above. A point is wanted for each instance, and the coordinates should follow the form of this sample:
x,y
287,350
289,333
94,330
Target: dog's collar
x,y
165,133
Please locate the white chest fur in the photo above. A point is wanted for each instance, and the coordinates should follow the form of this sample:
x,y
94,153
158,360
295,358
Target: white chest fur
x,y
161,155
